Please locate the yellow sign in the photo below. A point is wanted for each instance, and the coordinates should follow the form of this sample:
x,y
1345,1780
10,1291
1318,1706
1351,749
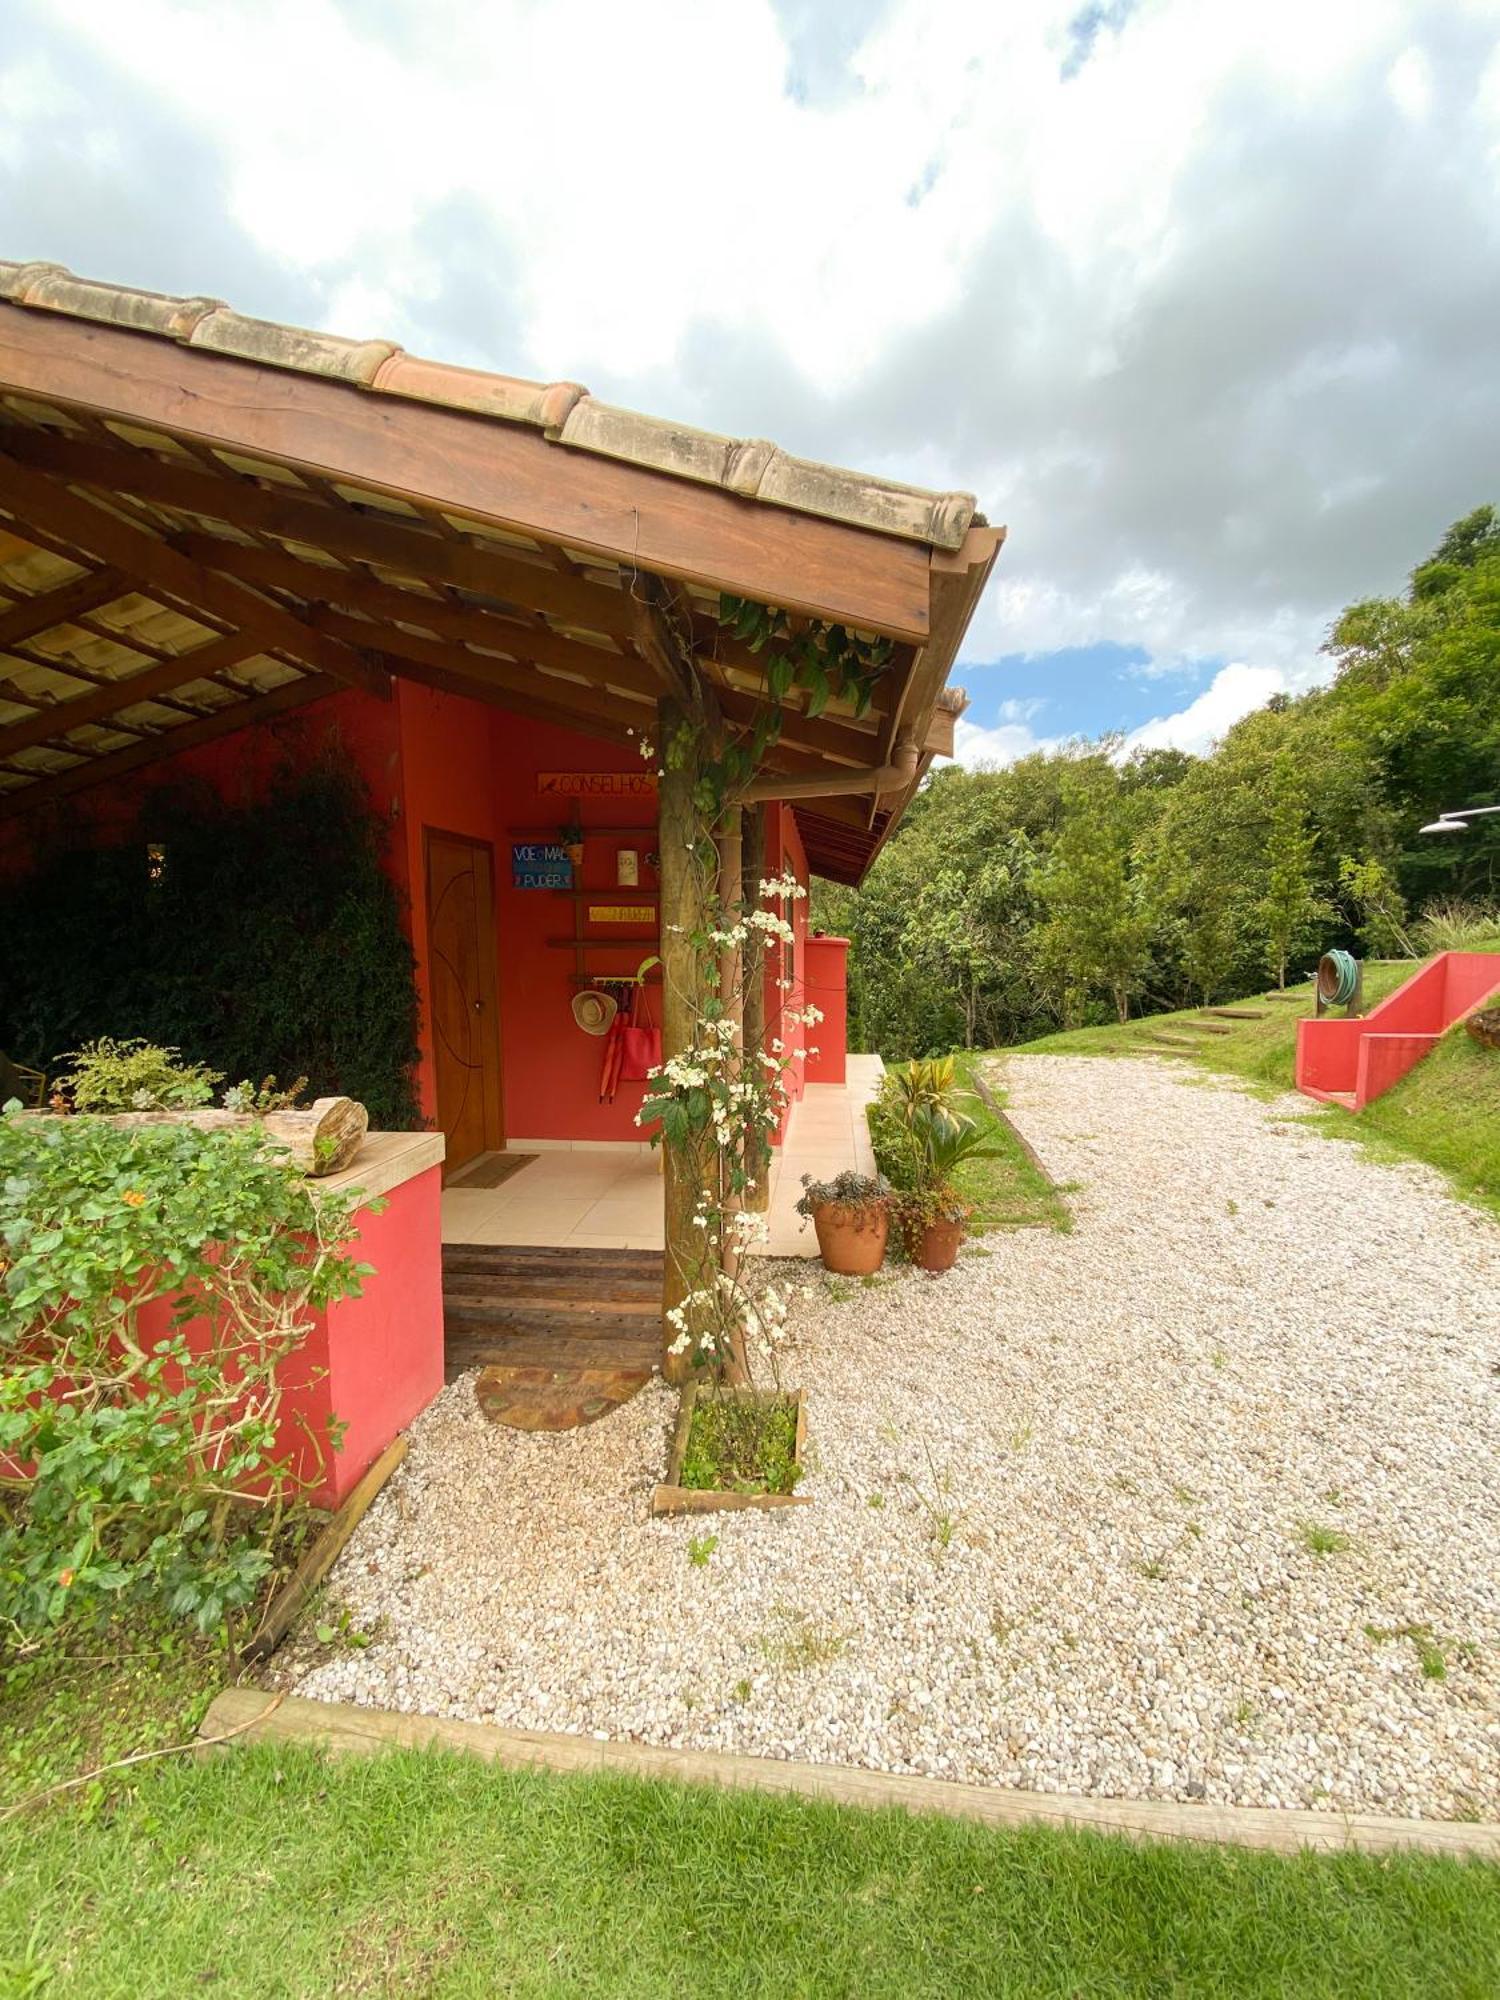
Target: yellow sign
x,y
620,913
597,784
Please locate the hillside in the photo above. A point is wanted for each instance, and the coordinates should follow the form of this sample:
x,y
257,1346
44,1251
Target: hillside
x,y
1446,1112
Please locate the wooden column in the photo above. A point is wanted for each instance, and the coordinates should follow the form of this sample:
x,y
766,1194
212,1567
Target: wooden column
x,y
689,1263
753,981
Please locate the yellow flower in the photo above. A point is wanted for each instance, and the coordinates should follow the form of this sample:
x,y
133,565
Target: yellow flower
x,y
133,1198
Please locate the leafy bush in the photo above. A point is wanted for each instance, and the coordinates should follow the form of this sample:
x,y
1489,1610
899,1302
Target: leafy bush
x,y
156,1476
920,1130
106,1075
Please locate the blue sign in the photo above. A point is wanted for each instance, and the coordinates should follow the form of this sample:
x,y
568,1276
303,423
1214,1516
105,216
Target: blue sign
x,y
539,865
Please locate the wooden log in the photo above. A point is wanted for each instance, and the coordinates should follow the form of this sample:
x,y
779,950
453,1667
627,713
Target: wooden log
x,y
322,1137
287,1605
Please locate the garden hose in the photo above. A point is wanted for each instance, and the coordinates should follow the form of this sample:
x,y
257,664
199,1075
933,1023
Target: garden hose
x,y
1338,978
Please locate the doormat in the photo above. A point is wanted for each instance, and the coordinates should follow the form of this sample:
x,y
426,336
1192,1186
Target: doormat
x,y
491,1170
555,1399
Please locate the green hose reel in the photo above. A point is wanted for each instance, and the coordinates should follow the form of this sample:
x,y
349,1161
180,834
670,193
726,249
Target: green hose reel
x,y
1340,982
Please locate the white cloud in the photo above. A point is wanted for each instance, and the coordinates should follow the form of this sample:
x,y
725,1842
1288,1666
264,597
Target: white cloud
x,y
1234,691
1162,282
1003,743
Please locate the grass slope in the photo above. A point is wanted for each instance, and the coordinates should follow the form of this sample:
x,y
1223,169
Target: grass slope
x,y
1446,1112
274,1873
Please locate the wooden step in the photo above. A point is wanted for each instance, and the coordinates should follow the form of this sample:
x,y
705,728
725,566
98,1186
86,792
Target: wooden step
x,y
559,1336
1200,1028
1235,1013
1159,1041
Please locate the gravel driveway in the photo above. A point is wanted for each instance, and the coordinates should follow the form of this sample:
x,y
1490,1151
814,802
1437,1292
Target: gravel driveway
x,y
1202,1500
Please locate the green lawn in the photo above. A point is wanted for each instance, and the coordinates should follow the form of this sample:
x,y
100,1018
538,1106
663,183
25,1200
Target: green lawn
x,y
1446,1112
270,1872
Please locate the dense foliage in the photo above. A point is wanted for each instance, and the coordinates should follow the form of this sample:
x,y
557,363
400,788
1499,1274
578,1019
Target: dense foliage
x,y
257,935
138,1431
1082,886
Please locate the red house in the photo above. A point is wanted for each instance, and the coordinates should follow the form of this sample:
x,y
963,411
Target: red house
x,y
223,542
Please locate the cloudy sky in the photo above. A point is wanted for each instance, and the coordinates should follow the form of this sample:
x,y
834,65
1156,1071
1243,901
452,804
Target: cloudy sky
x,y
1202,300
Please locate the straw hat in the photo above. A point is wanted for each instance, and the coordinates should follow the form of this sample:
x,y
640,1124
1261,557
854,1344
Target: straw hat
x,y
593,1010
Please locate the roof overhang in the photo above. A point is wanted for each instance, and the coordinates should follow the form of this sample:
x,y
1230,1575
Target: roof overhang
x,y
192,539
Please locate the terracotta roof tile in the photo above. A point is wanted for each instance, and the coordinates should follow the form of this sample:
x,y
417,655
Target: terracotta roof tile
x,y
563,411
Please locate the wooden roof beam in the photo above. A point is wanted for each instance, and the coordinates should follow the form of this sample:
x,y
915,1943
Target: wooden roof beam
x,y
420,659
507,474
160,570
288,514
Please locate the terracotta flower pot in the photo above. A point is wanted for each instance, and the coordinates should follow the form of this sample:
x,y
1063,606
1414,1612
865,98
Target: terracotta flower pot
x,y
938,1245
851,1241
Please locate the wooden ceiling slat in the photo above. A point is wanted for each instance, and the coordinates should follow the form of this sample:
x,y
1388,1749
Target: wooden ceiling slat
x,y
108,698
335,527
71,600
157,569
465,464
223,722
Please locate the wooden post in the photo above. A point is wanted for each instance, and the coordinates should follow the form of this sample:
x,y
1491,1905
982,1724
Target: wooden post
x,y
729,844
689,1264
753,983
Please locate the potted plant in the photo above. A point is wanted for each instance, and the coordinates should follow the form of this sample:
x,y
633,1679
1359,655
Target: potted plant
x,y
570,839
852,1218
924,1135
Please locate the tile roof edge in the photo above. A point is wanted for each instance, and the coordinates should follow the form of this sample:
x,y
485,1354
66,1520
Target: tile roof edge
x,y
564,412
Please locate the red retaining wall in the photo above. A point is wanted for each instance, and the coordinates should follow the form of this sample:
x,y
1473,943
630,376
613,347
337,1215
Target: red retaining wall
x,y
1352,1062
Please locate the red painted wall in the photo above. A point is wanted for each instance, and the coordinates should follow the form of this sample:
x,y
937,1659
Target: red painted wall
x,y
828,990
1366,1056
551,1067
371,1362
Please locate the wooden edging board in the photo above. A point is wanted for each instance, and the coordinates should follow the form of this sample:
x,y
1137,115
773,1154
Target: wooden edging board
x,y
341,1726
670,1498
286,1606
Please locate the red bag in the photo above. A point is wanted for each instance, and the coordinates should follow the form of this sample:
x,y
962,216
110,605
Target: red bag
x,y
640,1043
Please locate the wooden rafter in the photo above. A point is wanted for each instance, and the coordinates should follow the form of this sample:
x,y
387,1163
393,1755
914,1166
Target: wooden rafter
x,y
35,497
235,715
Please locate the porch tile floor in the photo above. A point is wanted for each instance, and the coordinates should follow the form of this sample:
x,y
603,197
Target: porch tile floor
x,y
612,1200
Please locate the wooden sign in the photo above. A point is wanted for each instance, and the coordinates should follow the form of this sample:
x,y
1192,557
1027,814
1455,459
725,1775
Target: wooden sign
x,y
536,864
621,913
597,784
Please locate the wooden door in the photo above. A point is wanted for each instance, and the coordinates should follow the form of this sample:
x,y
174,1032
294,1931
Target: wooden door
x,y
465,1016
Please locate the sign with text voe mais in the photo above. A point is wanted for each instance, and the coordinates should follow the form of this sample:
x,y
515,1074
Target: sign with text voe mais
x,y
539,864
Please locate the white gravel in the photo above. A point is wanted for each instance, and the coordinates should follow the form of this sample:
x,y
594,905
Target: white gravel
x,y
1064,1501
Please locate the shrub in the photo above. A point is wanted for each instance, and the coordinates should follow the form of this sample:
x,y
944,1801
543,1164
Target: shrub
x,y
270,938
156,1478
106,1075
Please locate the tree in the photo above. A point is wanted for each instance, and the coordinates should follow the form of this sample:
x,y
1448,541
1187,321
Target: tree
x,y
1097,932
1289,907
